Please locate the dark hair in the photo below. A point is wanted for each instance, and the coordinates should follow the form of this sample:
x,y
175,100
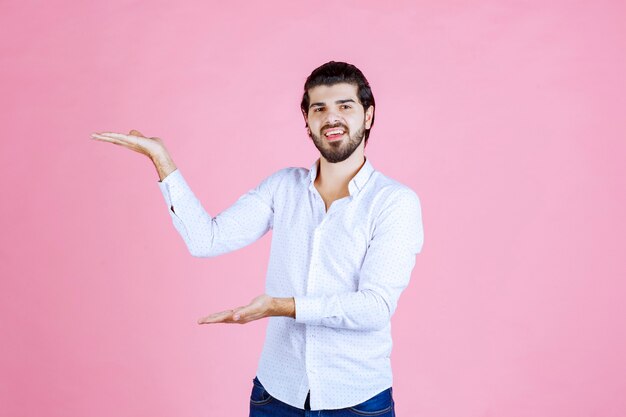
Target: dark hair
x,y
332,73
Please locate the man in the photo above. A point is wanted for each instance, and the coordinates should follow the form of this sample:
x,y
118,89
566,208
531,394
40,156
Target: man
x,y
344,240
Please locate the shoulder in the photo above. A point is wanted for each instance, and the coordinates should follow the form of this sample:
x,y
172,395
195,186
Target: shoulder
x,y
399,213
284,173
292,172
394,193
285,177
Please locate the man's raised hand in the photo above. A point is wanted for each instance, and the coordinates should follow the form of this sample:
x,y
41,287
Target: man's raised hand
x,y
152,147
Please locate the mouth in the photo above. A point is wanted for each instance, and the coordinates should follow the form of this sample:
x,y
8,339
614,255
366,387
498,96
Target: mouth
x,y
334,133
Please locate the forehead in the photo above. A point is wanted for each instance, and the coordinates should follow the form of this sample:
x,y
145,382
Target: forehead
x,y
325,93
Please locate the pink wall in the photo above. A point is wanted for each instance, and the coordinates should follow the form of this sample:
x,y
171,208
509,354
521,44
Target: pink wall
x,y
507,118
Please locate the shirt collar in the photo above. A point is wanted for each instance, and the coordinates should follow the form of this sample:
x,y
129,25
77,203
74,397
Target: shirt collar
x,y
356,184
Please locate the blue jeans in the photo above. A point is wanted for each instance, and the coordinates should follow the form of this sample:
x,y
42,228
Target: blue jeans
x,y
262,404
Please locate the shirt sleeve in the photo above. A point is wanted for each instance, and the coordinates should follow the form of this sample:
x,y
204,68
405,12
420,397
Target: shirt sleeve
x,y
244,222
397,238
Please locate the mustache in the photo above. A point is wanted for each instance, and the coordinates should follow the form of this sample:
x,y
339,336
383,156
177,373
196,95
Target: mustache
x,y
326,127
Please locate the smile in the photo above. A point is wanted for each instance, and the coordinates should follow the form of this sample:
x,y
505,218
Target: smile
x,y
334,134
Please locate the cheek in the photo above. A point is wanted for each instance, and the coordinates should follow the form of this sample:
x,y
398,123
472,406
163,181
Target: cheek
x,y
314,123
357,121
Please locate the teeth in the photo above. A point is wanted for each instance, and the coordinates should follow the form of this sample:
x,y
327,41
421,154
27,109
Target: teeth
x,y
333,132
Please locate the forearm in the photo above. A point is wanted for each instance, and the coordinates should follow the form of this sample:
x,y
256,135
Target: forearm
x,y
245,221
360,310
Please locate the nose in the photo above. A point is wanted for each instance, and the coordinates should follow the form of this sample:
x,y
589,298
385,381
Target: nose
x,y
332,117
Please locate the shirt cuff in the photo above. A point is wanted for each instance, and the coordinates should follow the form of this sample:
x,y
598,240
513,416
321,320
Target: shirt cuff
x,y
173,186
309,310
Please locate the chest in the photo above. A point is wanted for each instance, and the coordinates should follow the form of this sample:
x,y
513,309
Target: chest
x,y
327,235
330,196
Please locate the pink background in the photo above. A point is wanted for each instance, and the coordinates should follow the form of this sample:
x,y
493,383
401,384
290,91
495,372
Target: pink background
x,y
507,118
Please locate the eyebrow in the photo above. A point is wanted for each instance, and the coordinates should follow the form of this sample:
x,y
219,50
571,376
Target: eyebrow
x,y
349,100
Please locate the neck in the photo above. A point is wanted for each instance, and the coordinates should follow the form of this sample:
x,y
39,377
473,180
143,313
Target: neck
x,y
336,176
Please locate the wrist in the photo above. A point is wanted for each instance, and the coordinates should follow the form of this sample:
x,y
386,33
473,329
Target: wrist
x,y
160,157
283,307
163,164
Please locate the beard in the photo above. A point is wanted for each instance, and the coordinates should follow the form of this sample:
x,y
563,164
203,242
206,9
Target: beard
x,y
339,150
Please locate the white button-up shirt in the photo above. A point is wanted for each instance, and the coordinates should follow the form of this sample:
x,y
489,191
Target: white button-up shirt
x,y
345,267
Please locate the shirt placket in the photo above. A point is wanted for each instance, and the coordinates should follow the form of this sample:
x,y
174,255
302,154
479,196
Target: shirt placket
x,y
313,353
312,336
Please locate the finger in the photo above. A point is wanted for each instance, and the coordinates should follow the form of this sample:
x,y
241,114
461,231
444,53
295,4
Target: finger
x,y
119,136
113,134
106,138
136,133
130,139
219,315
216,317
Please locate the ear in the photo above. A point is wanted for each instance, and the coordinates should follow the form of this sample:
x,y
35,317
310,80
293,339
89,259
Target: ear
x,y
306,118
369,115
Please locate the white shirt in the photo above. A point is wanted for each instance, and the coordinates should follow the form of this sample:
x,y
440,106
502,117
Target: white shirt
x,y
345,268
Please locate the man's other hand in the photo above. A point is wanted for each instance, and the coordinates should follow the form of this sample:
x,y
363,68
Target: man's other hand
x,y
260,307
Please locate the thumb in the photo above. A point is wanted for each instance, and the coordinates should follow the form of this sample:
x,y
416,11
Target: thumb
x,y
240,312
136,133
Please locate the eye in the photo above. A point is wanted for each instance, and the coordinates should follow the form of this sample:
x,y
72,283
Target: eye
x,y
346,106
318,109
